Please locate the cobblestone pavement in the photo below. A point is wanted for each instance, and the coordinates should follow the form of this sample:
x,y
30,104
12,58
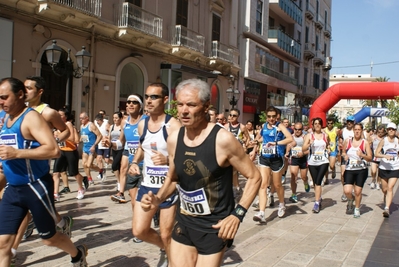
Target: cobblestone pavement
x,y
300,238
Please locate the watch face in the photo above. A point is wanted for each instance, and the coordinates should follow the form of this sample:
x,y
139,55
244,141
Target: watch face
x,y
240,211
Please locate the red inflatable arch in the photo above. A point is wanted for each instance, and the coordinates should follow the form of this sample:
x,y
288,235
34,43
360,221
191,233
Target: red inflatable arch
x,y
372,90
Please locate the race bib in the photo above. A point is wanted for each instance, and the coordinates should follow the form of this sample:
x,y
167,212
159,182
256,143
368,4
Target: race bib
x,y
268,149
9,140
393,153
84,138
318,156
62,144
132,147
295,151
155,176
356,163
194,202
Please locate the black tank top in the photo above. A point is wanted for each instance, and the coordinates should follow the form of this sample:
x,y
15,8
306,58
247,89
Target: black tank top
x,y
204,185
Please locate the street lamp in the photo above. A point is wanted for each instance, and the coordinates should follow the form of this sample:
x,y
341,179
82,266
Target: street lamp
x,y
233,95
53,53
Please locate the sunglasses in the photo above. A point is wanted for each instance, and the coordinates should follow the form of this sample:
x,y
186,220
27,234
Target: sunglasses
x,y
233,115
329,123
132,101
391,129
272,116
153,97
350,121
300,129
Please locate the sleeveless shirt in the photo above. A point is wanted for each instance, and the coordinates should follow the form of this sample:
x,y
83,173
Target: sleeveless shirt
x,y
205,188
132,138
318,154
354,161
391,149
21,171
154,175
87,136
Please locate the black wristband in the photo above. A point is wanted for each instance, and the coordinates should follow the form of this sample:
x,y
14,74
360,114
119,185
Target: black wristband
x,y
239,212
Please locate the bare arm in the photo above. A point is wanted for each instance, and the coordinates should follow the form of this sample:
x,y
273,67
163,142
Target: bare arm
x,y
378,153
33,127
53,118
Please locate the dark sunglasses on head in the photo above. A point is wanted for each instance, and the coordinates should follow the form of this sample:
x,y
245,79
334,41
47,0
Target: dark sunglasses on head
x,y
153,97
132,101
233,115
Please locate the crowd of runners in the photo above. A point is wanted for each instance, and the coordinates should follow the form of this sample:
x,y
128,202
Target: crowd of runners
x,y
182,174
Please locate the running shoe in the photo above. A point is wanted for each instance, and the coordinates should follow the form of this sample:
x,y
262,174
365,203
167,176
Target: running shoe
x,y
118,197
311,183
385,213
91,182
81,194
372,185
67,229
271,201
163,259
258,217
333,174
136,240
316,207
349,206
65,190
29,229
356,213
86,182
307,188
281,210
82,262
344,198
294,198
255,204
57,197
104,174
378,187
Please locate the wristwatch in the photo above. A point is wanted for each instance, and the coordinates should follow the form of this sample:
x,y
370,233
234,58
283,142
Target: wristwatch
x,y
57,139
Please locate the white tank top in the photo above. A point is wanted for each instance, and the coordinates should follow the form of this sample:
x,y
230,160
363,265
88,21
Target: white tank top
x,y
298,147
104,132
154,176
347,133
354,161
318,154
390,149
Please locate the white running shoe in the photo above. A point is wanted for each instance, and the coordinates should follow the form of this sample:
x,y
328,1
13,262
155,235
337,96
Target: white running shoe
x,y
378,187
372,185
81,194
281,210
258,217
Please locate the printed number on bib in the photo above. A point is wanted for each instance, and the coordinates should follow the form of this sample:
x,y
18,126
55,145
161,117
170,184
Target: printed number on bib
x,y
318,156
9,140
84,138
155,176
356,163
295,151
268,149
132,147
194,202
393,153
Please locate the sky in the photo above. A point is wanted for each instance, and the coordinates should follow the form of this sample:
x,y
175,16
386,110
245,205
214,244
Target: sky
x,y
365,31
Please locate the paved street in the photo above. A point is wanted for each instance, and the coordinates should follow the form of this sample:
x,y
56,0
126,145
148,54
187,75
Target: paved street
x,y
301,238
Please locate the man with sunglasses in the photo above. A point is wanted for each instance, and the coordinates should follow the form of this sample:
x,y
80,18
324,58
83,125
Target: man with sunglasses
x,y
299,161
333,133
346,133
221,119
240,132
154,131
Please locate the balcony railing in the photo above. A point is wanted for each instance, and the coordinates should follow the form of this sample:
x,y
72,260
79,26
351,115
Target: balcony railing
x,y
181,36
327,29
319,21
278,75
290,8
131,16
285,42
310,11
309,51
222,51
89,7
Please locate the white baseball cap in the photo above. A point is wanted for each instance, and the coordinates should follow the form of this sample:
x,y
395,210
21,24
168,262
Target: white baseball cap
x,y
391,125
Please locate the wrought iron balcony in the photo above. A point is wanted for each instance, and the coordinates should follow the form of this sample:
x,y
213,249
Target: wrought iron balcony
x,y
309,11
309,51
222,51
131,16
319,58
319,21
88,7
181,36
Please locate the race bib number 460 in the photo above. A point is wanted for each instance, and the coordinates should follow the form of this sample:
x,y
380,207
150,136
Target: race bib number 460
x,y
194,202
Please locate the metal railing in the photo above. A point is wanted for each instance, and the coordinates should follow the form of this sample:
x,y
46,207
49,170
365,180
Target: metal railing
x,y
89,7
328,28
320,20
278,75
222,51
309,8
131,16
181,36
290,8
286,42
